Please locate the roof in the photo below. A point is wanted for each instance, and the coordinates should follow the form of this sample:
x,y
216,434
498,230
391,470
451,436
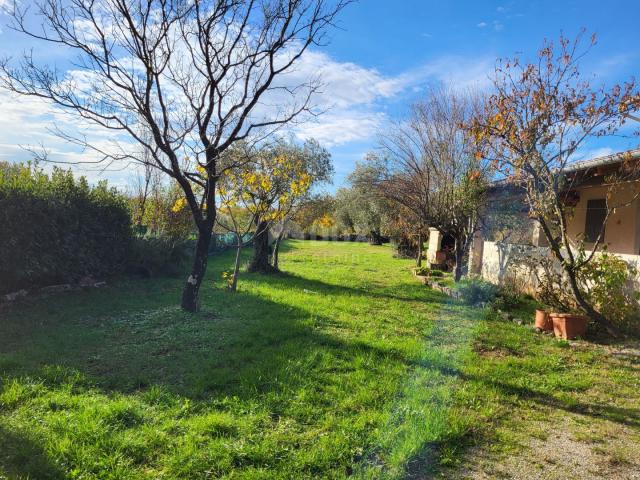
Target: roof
x,y
604,160
587,164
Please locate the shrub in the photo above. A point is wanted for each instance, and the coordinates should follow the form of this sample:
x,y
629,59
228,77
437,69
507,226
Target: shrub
x,y
474,291
56,229
605,280
507,298
153,255
424,271
165,213
428,272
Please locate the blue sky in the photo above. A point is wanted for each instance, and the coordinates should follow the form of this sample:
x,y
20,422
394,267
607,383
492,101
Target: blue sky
x,y
382,58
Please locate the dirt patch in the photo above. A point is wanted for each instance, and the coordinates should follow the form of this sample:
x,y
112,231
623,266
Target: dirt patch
x,y
567,446
496,351
493,352
553,442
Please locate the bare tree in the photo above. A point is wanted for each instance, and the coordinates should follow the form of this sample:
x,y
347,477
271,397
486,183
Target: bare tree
x,y
540,115
147,183
197,75
459,178
429,167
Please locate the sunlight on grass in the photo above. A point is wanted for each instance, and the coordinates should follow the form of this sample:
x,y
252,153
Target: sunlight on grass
x,y
343,365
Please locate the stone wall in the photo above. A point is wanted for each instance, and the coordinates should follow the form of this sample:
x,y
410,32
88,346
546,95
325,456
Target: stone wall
x,y
517,265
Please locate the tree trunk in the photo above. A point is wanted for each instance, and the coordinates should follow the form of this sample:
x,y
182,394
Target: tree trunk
x,y
190,293
276,249
260,260
236,265
459,253
375,238
573,283
419,258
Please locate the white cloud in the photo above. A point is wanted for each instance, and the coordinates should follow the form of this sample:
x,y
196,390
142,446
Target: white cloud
x,y
591,153
27,123
354,99
481,24
355,96
454,71
342,126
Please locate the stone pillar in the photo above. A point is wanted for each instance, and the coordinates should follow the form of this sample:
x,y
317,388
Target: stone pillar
x,y
435,238
475,254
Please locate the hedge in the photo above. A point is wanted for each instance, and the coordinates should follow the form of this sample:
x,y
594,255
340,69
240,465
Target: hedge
x,y
55,228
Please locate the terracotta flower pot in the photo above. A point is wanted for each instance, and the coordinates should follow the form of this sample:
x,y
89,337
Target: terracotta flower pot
x,y
543,321
568,325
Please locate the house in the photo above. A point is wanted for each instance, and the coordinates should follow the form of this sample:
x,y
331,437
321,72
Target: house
x,y
508,235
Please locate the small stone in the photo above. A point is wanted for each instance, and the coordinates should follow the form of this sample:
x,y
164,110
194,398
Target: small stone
x,y
13,296
64,287
87,281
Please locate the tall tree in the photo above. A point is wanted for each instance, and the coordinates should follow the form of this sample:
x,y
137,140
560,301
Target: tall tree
x,y
358,208
429,167
194,76
266,188
540,115
293,170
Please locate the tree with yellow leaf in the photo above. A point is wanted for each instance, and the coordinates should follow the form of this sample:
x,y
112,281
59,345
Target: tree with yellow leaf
x,y
265,189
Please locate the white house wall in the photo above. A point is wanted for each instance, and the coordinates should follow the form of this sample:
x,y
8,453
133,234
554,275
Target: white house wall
x,y
502,264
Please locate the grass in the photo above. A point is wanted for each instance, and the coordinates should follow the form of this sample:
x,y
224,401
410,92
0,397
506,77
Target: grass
x,y
344,366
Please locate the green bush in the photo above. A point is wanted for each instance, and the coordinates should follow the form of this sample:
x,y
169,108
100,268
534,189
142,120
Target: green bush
x,y
606,283
424,271
153,255
474,291
507,298
56,228
428,272
163,212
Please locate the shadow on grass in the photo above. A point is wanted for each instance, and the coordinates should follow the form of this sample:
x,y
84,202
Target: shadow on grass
x,y
23,457
133,337
411,294
625,416
256,351
424,464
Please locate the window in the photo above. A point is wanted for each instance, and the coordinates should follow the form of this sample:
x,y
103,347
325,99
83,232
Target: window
x,y
596,214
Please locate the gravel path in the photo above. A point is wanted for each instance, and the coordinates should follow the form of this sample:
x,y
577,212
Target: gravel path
x,y
556,444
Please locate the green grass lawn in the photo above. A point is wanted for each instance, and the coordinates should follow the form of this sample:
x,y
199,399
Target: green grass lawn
x,y
343,366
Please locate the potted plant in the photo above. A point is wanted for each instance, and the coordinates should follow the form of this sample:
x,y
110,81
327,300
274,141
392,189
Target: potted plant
x,y
543,321
569,325
422,273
